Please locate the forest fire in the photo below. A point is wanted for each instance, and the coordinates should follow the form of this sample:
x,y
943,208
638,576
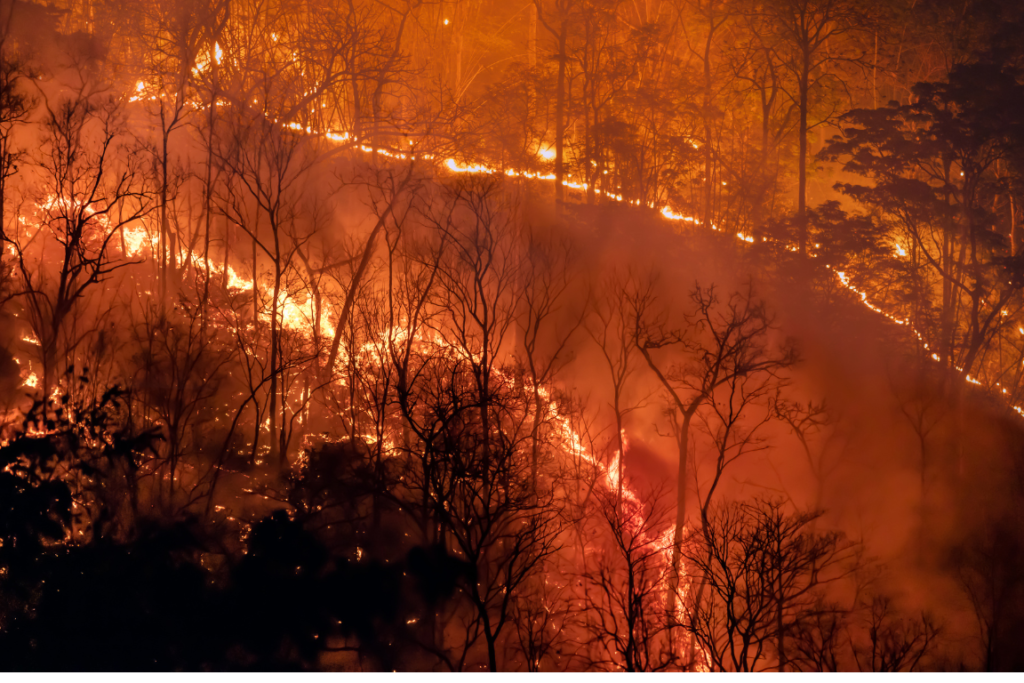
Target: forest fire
x,y
361,336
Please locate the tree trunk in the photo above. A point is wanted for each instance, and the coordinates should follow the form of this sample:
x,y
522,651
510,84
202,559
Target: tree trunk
x,y
357,278
801,200
560,118
164,250
1014,230
780,625
531,39
226,231
620,465
492,653
683,443
209,209
275,451
535,430
708,157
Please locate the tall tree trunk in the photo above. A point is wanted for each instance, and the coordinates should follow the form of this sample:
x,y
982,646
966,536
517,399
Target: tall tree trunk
x,y
708,156
683,445
209,207
801,205
164,250
620,465
275,453
560,118
531,39
535,429
1014,230
357,278
780,608
874,76
226,232
492,652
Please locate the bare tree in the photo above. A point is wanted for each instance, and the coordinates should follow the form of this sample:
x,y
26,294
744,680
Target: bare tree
x,y
389,193
15,106
93,185
625,584
805,421
176,40
726,343
986,569
612,328
557,20
266,195
815,36
895,643
543,615
923,403
548,275
762,570
180,369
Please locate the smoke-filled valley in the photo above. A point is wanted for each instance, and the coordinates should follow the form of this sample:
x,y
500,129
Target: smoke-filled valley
x,y
575,335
